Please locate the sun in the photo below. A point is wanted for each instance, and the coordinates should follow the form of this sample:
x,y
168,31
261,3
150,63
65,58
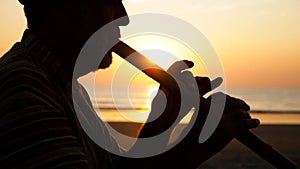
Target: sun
x,y
164,50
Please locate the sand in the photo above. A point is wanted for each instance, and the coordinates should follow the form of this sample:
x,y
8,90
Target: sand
x,y
284,138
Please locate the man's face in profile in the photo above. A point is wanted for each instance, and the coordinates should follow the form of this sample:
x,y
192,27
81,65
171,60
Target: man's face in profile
x,y
100,13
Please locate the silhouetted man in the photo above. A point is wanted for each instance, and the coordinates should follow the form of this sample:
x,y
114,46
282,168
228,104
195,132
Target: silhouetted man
x,y
38,124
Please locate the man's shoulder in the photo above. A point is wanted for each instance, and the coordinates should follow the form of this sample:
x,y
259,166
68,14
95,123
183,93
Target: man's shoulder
x,y
17,57
22,80
17,65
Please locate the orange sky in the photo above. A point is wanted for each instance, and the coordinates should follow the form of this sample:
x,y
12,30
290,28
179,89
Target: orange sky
x,y
256,40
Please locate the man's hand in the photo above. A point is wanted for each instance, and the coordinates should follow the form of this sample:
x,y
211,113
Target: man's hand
x,y
235,120
170,103
189,153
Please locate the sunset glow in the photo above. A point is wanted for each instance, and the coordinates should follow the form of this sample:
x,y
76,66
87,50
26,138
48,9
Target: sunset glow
x,y
257,41
164,51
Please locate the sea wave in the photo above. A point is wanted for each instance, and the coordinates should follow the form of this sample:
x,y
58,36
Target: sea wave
x,y
261,100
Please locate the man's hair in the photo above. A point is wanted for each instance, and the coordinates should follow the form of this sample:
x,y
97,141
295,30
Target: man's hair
x,y
36,12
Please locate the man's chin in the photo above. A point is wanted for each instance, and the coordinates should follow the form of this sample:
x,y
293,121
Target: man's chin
x,y
106,61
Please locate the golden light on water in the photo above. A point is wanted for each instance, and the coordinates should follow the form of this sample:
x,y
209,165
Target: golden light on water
x,y
140,107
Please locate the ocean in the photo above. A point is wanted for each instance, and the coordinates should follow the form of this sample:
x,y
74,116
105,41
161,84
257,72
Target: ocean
x,y
134,102
269,99
137,97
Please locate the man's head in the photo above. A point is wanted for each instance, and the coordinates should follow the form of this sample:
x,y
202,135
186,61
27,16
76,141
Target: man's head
x,y
73,21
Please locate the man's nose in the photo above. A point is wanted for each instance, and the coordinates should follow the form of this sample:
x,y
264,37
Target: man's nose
x,y
120,12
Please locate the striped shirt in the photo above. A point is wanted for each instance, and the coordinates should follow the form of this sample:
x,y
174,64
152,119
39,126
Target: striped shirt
x,y
38,124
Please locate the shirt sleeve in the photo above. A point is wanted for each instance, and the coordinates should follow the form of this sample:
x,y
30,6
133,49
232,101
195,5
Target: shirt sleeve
x,y
34,129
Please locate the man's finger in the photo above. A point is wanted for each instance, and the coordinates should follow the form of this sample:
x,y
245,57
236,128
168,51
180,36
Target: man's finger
x,y
204,85
246,114
188,78
177,67
234,103
216,83
247,124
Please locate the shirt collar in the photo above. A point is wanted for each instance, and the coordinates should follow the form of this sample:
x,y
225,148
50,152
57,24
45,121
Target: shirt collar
x,y
45,58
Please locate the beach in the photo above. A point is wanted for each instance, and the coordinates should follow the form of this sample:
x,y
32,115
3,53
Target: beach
x,y
279,116
284,138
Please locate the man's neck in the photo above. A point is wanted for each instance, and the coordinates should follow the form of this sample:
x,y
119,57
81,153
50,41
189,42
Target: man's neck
x,y
64,46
